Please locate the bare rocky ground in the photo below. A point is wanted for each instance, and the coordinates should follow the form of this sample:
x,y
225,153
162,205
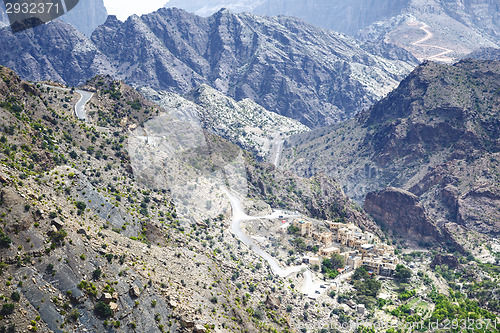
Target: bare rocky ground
x,y
81,227
420,139
78,228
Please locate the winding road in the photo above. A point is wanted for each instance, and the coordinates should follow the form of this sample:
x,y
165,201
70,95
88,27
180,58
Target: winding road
x,y
441,56
80,105
85,96
309,286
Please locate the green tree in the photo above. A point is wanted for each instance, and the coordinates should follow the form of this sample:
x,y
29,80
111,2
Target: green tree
x,y
103,310
402,274
336,261
5,240
7,309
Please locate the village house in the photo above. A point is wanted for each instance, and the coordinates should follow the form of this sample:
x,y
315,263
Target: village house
x,y
305,227
327,252
325,237
354,262
366,248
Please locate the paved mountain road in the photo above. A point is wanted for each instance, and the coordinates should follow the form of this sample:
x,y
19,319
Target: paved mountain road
x,y
309,287
85,96
80,105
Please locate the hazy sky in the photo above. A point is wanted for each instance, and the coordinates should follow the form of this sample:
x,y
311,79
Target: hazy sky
x,y
124,8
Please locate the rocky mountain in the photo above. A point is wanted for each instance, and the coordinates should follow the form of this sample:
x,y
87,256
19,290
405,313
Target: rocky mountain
x,y
285,65
440,30
87,244
55,51
488,53
436,136
451,28
344,16
208,7
244,123
85,16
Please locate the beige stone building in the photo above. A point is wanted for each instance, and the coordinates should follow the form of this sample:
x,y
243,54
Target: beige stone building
x,y
354,262
327,252
325,237
305,227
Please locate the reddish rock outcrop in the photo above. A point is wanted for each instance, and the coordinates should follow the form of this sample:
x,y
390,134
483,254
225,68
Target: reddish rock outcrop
x,y
448,260
400,212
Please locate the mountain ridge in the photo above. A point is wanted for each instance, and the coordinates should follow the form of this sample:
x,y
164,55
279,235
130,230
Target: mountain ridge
x,y
85,16
436,136
280,63
456,27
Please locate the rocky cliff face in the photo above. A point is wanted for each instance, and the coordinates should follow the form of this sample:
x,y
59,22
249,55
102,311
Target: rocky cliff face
x,y
399,212
435,136
454,27
55,51
85,17
287,66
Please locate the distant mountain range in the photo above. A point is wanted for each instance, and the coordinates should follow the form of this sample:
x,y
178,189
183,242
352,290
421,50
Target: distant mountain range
x,y
209,7
312,75
457,26
85,17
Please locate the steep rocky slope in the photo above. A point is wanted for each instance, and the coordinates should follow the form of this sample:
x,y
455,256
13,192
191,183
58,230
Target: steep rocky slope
x,y
437,136
309,74
455,27
87,245
244,123
55,51
85,17
487,53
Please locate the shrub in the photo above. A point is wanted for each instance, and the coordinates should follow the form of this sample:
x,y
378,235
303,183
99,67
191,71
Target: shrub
x,y
103,310
96,274
258,314
5,240
7,309
15,296
58,237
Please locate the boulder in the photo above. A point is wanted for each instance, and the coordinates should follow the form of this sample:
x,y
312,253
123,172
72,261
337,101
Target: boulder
x,y
187,323
4,179
107,298
134,291
198,328
58,223
272,302
113,306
